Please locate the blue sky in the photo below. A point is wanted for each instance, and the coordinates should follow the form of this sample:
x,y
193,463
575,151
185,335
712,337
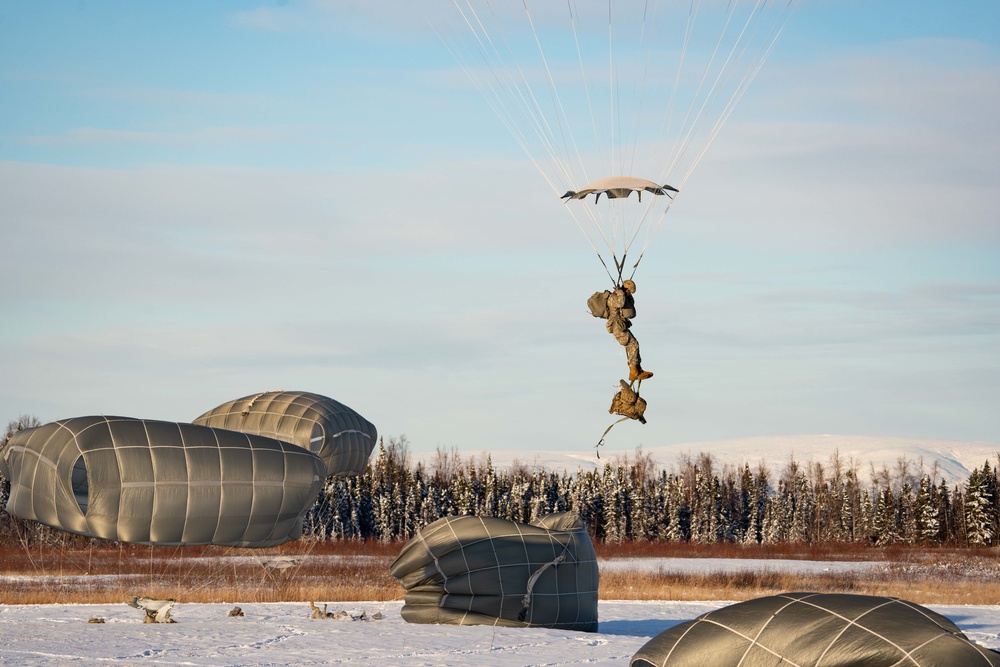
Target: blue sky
x,y
201,201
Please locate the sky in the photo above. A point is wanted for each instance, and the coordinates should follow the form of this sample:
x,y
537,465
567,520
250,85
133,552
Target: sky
x,y
202,201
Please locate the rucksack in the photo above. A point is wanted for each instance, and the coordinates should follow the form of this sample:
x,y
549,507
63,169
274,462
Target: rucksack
x,y
598,304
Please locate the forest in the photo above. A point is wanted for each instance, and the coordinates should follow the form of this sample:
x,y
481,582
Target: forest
x,y
632,499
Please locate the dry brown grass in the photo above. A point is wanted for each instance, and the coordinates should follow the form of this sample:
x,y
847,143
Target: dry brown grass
x,y
349,571
336,571
919,588
926,575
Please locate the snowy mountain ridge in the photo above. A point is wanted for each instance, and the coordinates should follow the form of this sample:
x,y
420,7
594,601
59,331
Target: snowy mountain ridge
x,y
954,459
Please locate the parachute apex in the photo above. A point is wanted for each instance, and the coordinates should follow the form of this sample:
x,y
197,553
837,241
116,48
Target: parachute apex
x,y
619,187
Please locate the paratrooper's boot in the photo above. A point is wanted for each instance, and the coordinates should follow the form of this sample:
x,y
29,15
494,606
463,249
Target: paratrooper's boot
x,y
636,373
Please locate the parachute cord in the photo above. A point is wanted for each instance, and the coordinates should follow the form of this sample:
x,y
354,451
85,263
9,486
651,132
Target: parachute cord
x,y
499,88
573,14
757,64
526,600
636,265
611,86
689,134
564,125
601,441
586,86
606,269
656,228
645,80
744,84
668,114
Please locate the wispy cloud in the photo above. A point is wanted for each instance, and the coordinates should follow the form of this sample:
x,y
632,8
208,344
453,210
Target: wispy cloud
x,y
233,135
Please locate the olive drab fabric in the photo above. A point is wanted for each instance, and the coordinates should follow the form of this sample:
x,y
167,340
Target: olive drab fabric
x,y
467,570
598,304
155,482
331,430
819,630
627,403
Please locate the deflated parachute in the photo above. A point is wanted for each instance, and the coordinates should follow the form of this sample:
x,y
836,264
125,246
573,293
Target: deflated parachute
x,y
833,630
154,482
331,430
468,570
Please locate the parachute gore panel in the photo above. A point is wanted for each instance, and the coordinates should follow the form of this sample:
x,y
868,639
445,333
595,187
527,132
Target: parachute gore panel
x,y
467,570
331,430
153,482
827,630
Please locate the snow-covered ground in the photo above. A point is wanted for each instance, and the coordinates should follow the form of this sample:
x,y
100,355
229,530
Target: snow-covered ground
x,y
283,634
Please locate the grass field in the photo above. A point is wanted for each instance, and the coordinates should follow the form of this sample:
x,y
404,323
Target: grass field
x,y
345,571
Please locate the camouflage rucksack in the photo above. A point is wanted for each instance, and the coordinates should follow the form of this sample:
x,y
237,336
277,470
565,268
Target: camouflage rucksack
x,y
598,304
627,403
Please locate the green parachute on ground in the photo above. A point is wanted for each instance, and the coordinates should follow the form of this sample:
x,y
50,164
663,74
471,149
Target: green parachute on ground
x,y
467,570
822,629
243,475
156,482
331,430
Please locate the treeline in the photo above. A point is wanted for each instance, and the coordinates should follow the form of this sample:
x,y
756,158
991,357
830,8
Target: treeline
x,y
630,499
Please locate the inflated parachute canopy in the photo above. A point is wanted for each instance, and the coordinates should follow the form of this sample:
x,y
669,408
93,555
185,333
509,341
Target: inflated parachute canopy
x,y
620,187
154,482
828,630
467,570
331,430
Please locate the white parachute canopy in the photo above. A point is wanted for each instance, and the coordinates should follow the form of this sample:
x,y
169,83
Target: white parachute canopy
x,y
602,89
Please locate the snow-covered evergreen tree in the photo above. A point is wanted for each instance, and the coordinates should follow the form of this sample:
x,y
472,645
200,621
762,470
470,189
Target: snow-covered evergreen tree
x,y
979,508
926,511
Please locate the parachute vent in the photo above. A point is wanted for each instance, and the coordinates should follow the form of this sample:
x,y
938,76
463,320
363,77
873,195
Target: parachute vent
x,y
81,488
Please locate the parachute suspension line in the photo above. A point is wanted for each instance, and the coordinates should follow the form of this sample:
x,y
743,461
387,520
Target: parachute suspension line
x,y
668,115
533,118
739,47
614,221
564,125
611,88
611,244
762,55
645,80
567,173
607,270
494,96
651,234
691,123
509,86
571,5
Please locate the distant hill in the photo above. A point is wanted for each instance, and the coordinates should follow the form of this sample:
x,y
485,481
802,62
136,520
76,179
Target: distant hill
x,y
955,459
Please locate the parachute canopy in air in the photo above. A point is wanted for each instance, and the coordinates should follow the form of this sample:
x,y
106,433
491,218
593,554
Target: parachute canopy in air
x,y
603,88
155,482
467,570
331,430
619,187
831,629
